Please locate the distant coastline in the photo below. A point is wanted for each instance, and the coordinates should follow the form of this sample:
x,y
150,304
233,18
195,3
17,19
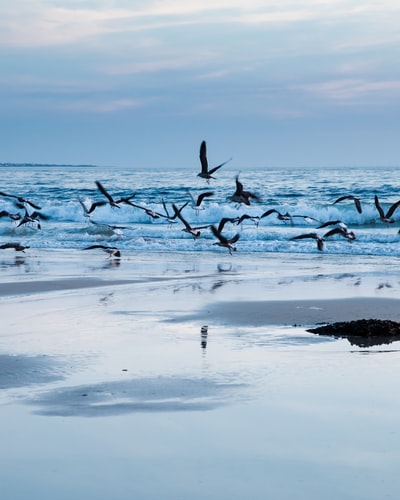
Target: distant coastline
x,y
8,164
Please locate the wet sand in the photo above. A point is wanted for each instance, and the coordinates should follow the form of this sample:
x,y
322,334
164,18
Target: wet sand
x,y
109,388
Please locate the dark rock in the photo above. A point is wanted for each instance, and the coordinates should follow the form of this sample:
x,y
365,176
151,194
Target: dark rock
x,y
362,332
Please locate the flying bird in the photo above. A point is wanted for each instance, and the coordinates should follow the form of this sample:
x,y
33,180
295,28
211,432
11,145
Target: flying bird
x,y
240,195
112,251
167,215
21,200
223,241
194,231
16,246
196,202
387,218
206,173
356,200
349,235
315,236
111,201
283,217
32,218
5,213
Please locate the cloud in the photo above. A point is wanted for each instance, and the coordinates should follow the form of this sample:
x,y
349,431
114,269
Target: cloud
x,y
104,106
52,22
351,89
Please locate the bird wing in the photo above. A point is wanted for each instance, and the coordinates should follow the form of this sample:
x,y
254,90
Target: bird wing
x,y
315,236
392,209
336,230
235,238
219,166
379,208
358,205
104,191
179,215
203,158
346,197
268,212
218,235
201,197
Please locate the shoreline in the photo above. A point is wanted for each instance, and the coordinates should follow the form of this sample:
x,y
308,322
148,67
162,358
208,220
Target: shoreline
x,y
234,311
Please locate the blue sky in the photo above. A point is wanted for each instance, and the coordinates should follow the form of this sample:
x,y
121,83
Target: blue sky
x,y
142,83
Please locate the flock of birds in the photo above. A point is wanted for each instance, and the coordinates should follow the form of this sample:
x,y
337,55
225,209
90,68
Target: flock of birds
x,y
30,214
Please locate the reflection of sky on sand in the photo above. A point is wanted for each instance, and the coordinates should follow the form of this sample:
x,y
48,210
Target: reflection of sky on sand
x,y
289,414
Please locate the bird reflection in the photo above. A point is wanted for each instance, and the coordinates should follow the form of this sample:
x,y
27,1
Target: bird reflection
x,y
203,336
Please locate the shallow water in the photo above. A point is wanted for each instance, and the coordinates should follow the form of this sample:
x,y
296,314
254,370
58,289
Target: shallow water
x,y
113,391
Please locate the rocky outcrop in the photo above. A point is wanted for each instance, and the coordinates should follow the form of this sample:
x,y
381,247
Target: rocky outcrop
x,y
363,332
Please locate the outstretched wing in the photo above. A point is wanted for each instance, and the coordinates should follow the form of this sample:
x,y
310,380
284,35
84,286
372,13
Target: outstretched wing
x,y
379,208
203,158
392,209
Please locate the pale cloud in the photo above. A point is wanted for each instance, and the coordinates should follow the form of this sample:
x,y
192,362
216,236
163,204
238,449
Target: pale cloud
x,y
33,24
351,89
111,106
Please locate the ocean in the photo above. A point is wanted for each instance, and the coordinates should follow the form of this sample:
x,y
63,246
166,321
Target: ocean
x,y
307,194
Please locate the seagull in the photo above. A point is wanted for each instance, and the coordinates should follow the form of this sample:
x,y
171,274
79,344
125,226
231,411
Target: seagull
x,y
243,217
112,251
315,236
205,172
31,218
338,223
118,230
171,218
5,213
16,246
241,196
198,201
343,232
223,241
21,200
194,231
388,216
224,220
112,202
306,218
149,211
356,200
284,217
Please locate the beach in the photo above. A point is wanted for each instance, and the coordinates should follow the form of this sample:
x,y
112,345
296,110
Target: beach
x,y
110,387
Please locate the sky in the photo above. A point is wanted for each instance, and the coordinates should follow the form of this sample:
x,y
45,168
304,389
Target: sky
x,y
141,83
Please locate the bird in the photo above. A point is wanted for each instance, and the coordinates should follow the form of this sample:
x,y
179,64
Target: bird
x,y
33,218
112,251
224,220
223,241
196,202
22,200
240,195
343,232
254,218
5,213
387,218
118,230
337,223
151,213
206,173
315,236
171,218
16,246
194,231
356,200
283,217
112,202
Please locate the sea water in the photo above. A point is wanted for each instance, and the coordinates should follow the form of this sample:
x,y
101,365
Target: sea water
x,y
308,195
